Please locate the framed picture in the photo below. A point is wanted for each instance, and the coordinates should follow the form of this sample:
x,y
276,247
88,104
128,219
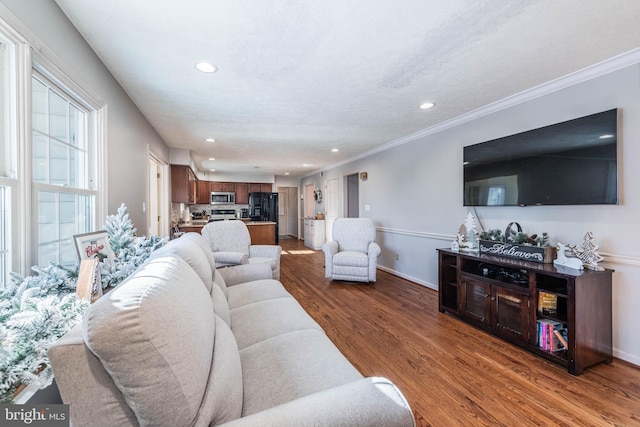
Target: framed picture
x,y
94,246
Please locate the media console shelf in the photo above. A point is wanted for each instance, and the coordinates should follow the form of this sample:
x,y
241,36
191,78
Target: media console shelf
x,y
561,314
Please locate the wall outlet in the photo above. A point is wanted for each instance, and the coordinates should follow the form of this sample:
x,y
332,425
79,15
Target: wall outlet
x,y
397,257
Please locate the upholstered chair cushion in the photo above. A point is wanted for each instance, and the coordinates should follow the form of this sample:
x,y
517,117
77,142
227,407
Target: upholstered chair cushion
x,y
354,234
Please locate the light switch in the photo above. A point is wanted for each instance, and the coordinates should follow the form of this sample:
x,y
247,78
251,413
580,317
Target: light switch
x,y
367,208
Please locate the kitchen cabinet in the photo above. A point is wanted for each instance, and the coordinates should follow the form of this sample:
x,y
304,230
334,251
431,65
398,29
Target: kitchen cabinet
x,y
204,193
242,193
256,187
314,230
183,184
508,298
262,233
223,186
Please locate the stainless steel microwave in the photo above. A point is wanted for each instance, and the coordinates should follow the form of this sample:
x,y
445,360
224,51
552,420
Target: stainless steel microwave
x,y
223,198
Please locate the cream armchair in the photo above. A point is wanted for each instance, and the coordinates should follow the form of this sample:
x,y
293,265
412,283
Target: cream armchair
x,y
231,245
353,253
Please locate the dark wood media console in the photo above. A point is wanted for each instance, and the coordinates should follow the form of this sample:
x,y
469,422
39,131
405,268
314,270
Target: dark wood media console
x,y
502,296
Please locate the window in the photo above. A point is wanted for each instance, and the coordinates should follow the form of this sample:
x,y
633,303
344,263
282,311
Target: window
x,y
8,159
5,239
62,177
52,146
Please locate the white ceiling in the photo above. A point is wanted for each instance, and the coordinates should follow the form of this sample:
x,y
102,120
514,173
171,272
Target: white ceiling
x,y
298,78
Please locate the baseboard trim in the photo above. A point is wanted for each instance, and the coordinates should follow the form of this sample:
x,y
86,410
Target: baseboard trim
x,y
408,277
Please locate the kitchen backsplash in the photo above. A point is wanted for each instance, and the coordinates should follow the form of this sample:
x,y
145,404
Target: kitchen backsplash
x,y
177,210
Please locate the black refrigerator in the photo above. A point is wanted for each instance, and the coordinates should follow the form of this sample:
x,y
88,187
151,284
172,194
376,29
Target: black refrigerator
x,y
264,207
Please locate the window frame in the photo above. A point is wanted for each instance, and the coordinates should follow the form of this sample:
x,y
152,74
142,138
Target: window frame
x,y
46,72
31,54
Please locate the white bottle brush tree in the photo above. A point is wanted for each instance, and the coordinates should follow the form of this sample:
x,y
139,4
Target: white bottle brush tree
x,y
37,310
588,252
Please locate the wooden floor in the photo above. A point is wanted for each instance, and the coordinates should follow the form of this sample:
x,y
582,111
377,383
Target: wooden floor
x,y
451,373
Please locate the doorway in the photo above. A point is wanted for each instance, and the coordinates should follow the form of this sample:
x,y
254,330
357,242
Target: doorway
x,y
353,196
288,211
157,205
332,207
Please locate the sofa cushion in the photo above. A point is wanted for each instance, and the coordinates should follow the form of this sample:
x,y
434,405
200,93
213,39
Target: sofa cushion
x,y
192,254
254,291
351,258
219,280
252,323
82,380
198,239
223,398
220,304
290,366
262,260
155,334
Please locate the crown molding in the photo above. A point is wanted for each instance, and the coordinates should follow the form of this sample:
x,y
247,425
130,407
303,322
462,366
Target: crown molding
x,y
598,69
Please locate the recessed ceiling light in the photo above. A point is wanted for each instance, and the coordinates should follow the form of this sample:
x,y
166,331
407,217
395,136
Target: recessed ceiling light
x,y
335,150
210,140
286,173
306,165
212,158
212,170
427,105
206,67
606,136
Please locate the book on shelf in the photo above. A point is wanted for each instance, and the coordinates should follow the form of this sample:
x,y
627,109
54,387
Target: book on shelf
x,y
561,336
547,303
552,335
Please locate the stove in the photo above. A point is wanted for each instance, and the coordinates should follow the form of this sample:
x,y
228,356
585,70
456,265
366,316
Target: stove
x,y
222,214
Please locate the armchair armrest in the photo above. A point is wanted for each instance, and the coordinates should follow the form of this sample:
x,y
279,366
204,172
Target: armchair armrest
x,y
235,274
368,402
230,258
265,251
374,250
330,248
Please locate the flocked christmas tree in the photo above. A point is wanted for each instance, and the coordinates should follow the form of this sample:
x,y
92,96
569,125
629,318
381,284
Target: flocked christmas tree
x,y
588,252
129,250
37,310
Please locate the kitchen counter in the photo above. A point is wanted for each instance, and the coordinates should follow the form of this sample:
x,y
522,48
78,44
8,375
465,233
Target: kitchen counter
x,y
261,232
192,227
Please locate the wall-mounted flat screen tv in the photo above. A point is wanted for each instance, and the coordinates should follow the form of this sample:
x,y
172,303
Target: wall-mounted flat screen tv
x,y
568,163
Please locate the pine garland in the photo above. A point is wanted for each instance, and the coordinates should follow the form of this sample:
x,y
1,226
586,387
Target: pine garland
x,y
37,310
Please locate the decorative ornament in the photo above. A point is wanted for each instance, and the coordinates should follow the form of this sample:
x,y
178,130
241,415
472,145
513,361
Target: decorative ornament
x,y
563,261
588,252
468,234
317,196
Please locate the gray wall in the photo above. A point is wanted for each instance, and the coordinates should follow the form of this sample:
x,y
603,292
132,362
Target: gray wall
x,y
128,134
415,192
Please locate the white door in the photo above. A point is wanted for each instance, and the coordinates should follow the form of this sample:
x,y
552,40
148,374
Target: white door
x,y
283,207
154,186
333,210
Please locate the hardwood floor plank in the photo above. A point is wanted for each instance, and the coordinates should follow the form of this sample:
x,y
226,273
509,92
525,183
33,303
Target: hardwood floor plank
x,y
452,373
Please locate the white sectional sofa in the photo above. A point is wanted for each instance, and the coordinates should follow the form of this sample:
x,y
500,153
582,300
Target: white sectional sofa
x,y
178,344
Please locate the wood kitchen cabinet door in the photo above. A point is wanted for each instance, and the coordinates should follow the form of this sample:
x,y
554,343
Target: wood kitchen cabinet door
x,y
183,184
204,192
242,193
